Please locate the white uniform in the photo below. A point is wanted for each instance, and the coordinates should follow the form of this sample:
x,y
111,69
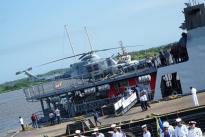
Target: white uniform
x,y
170,130
196,132
181,131
21,121
100,135
129,91
194,97
122,134
144,97
147,134
116,134
57,112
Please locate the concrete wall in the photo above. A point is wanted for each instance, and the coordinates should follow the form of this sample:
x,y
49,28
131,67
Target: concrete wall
x,y
192,72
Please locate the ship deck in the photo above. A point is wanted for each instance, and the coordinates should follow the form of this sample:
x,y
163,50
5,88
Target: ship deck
x,y
135,113
71,85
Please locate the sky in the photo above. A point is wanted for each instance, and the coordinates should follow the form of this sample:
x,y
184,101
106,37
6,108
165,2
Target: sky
x,y
32,31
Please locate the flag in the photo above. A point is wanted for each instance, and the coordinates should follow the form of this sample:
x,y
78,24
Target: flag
x,y
159,126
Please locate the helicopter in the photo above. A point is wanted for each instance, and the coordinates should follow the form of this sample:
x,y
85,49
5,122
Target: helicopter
x,y
90,65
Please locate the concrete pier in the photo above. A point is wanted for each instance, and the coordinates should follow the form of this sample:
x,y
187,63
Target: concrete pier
x,y
134,114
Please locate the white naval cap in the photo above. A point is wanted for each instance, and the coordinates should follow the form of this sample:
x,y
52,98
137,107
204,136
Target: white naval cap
x,y
113,125
77,131
192,122
95,129
178,120
166,124
110,132
143,126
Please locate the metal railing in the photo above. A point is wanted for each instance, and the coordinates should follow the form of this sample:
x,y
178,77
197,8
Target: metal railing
x,y
66,85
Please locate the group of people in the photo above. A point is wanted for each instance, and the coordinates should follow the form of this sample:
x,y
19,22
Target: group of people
x,y
142,96
34,119
167,130
181,130
116,132
176,54
53,115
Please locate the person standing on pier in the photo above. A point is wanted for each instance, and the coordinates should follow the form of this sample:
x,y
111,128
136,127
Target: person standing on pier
x,y
193,130
58,115
146,132
115,131
181,129
78,133
168,130
22,123
122,134
194,96
142,102
34,120
97,133
96,116
52,118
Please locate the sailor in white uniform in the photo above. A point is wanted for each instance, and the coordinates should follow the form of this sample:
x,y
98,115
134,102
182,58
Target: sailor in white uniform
x,y
78,133
97,133
193,130
129,91
168,129
122,134
115,131
181,130
146,132
194,96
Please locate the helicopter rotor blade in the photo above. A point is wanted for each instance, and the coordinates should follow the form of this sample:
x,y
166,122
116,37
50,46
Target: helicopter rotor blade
x,y
129,46
81,56
60,59
106,49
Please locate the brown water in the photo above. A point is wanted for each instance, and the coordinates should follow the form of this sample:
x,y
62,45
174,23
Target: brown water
x,y
12,105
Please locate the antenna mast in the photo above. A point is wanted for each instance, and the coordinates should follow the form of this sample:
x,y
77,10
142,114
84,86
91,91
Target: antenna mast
x,y
91,48
122,48
70,41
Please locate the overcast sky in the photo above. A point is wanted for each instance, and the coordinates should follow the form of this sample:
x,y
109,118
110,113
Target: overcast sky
x,y
32,31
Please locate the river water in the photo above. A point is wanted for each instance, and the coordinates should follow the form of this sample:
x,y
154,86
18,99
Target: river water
x,y
12,105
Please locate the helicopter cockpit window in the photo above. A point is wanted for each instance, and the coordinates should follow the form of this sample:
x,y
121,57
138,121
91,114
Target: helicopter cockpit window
x,y
89,68
109,63
96,67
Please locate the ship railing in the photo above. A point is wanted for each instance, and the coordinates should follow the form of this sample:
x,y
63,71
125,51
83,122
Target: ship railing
x,y
93,105
38,91
52,87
